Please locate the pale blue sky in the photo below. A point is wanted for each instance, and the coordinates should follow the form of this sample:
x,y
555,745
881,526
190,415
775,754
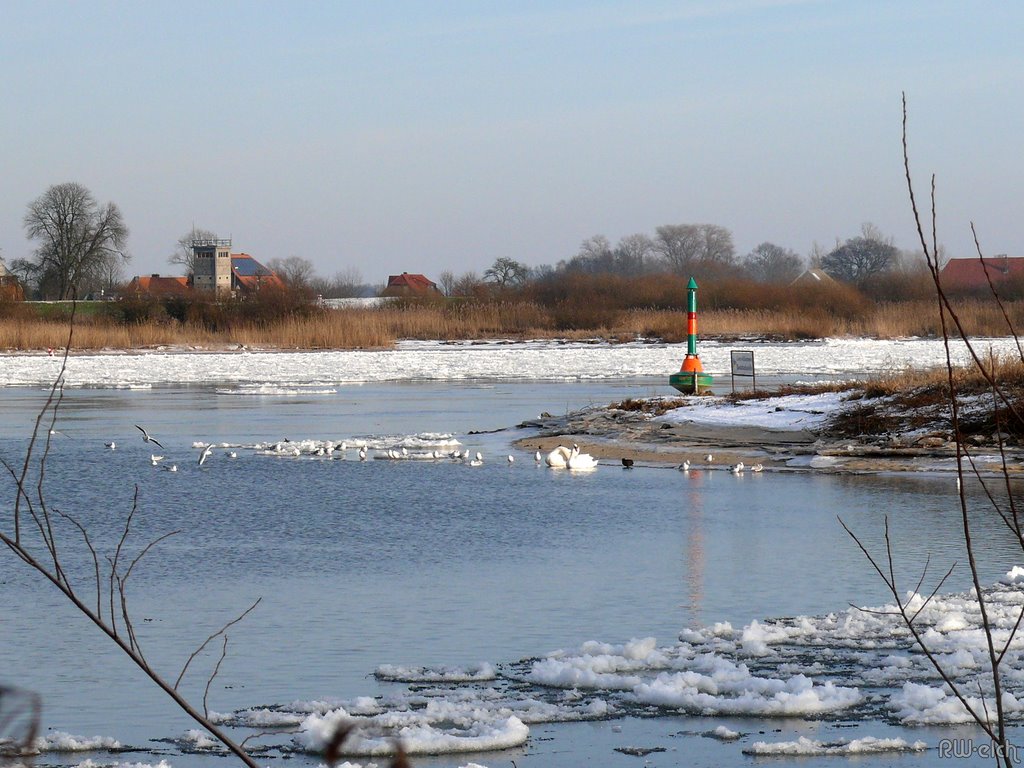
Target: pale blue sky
x,y
422,136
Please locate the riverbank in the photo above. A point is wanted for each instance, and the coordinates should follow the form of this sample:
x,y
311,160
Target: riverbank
x,y
783,433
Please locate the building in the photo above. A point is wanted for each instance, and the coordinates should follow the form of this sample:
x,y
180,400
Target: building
x,y
216,271
409,284
814,276
974,274
211,270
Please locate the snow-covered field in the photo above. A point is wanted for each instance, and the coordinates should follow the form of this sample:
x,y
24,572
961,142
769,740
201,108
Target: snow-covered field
x,y
538,360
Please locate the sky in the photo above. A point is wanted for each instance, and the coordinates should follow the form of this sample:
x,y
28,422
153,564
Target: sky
x,y
384,137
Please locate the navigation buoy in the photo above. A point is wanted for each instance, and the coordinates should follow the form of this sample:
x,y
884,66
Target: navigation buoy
x,y
691,379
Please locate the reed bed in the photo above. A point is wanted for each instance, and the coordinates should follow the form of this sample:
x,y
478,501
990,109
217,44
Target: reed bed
x,y
380,327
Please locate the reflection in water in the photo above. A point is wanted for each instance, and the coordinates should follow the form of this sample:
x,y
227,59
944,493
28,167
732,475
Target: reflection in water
x,y
694,565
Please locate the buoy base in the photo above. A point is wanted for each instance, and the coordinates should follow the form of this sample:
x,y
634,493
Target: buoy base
x,y
691,382
691,364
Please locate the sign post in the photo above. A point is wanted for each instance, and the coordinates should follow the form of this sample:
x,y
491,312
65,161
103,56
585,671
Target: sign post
x,y
742,365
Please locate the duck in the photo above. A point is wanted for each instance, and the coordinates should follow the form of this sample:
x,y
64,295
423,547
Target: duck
x,y
627,463
579,460
558,458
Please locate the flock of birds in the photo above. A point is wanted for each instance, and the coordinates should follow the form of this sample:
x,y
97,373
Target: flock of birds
x,y
737,469
562,457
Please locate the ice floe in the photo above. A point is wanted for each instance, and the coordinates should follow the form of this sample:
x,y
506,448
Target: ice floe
x,y
804,747
434,361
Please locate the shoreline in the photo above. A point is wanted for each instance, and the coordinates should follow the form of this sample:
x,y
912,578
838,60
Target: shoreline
x,y
611,435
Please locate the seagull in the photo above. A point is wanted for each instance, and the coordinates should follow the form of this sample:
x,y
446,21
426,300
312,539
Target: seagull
x,y
231,455
362,453
205,454
709,458
737,468
146,438
511,458
172,468
478,461
685,466
111,445
627,463
154,458
536,457
756,468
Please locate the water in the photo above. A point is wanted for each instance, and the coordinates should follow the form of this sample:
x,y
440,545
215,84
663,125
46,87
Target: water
x,y
365,563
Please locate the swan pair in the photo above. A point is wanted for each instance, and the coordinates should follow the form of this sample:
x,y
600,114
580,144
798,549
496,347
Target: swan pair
x,y
564,458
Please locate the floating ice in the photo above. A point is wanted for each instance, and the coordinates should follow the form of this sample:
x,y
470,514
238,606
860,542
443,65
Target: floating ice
x,y
808,747
377,736
59,741
434,361
482,671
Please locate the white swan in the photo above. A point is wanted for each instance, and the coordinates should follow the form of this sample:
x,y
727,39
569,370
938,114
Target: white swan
x,y
558,458
579,460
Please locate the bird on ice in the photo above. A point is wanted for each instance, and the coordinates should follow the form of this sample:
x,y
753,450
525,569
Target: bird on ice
x,y
205,454
146,438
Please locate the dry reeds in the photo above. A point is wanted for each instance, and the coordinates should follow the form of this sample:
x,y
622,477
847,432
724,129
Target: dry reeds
x,y
830,314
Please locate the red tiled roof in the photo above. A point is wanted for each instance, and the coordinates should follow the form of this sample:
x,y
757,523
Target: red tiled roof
x,y
157,285
409,282
970,273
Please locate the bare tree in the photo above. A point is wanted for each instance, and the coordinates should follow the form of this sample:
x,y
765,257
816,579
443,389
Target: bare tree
x,y
467,284
771,263
183,253
447,282
684,245
632,254
506,272
860,257
75,235
295,271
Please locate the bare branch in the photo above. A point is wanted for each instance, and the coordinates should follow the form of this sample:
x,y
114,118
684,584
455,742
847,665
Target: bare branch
x,y
219,632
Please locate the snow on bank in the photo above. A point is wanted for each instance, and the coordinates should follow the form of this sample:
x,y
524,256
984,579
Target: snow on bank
x,y
433,361
789,412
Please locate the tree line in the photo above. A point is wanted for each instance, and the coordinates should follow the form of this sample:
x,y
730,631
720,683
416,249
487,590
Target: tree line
x,y
80,250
